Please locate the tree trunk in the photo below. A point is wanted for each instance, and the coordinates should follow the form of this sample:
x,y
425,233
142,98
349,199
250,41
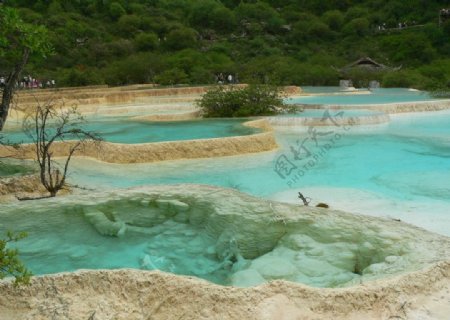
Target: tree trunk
x,y
10,86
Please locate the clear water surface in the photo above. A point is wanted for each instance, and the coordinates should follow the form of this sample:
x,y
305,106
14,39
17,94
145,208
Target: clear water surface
x,y
132,131
399,170
332,96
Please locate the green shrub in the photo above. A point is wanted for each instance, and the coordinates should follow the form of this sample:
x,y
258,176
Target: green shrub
x,y
405,79
181,38
116,10
128,25
139,68
357,27
439,72
172,77
80,77
254,100
334,19
146,41
10,265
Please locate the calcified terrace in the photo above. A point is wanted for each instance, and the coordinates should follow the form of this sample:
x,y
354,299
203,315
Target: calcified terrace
x,y
252,240
257,254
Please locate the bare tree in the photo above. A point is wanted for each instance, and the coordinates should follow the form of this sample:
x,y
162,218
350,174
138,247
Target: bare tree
x,y
51,124
9,146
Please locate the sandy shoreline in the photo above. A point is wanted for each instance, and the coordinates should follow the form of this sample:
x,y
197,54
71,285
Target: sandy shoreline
x,y
131,294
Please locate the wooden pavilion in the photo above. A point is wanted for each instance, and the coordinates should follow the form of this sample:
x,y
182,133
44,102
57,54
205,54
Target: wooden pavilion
x,y
366,64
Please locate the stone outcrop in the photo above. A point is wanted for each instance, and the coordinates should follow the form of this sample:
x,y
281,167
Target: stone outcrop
x,y
109,96
170,116
292,90
390,108
336,121
26,186
86,98
376,118
21,185
415,106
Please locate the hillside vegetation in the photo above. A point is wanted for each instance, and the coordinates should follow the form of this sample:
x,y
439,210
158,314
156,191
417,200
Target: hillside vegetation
x,y
297,42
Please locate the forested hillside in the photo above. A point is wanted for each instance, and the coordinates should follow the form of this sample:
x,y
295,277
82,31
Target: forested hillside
x,y
297,42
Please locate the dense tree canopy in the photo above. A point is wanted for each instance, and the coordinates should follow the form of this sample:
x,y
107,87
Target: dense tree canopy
x,y
283,41
18,42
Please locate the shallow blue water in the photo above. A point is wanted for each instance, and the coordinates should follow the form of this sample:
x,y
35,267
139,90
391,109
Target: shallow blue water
x,y
405,161
320,90
320,113
130,131
14,168
407,144
50,247
378,96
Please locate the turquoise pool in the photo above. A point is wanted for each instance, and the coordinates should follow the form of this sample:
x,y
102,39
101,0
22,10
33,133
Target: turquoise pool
x,y
51,247
239,242
406,161
332,96
319,113
399,170
131,131
10,168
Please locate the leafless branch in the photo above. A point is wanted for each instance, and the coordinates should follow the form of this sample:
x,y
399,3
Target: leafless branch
x,y
52,124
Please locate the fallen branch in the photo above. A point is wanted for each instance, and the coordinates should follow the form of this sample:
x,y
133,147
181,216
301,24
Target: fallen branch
x,y
305,200
32,198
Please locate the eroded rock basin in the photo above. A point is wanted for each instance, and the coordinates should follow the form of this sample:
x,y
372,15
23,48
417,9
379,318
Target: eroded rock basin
x,y
217,234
